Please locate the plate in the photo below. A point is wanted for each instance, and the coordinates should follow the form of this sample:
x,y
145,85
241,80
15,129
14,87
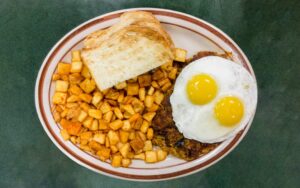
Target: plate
x,y
187,32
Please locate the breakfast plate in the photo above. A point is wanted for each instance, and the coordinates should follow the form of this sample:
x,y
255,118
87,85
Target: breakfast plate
x,y
189,33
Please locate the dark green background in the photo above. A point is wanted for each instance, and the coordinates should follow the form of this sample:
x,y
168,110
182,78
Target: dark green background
x,y
268,32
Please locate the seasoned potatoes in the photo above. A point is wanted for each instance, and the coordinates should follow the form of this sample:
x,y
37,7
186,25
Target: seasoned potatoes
x,y
115,124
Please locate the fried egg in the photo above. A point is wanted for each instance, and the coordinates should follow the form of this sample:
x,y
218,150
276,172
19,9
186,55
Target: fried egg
x,y
213,99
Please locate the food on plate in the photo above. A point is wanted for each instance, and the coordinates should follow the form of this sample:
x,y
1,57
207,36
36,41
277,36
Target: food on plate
x,y
131,47
213,99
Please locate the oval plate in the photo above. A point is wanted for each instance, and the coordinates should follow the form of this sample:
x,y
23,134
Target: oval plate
x,y
187,32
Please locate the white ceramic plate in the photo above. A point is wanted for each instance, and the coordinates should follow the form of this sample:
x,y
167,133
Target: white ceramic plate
x,y
187,32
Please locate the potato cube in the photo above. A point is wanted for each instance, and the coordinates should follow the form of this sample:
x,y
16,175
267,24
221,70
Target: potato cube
x,y
118,113
59,98
61,86
85,106
63,68
115,125
76,55
163,81
73,139
114,149
128,108
126,162
150,134
86,135
140,156
82,115
130,155
95,145
126,125
158,97
112,94
148,146
132,89
137,144
113,137
150,156
86,97
95,113
75,78
158,74
56,116
121,85
124,135
144,127
73,98
75,90
121,97
76,66
151,90
134,118
116,161
127,99
64,134
138,106
149,116
138,123
64,113
124,150
88,122
103,125
131,135
88,85
97,98
104,154
161,155
167,66
74,128
84,147
107,144
153,108
108,116
166,86
180,55
172,73
94,125
85,72
149,101
99,137
141,135
142,93
105,107
155,84
144,80
55,77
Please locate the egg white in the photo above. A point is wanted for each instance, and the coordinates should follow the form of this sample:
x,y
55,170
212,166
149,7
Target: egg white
x,y
198,122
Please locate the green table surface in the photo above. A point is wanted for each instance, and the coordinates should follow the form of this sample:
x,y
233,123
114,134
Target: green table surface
x,y
268,32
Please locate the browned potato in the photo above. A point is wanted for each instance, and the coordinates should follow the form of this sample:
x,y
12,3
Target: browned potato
x,y
132,89
145,80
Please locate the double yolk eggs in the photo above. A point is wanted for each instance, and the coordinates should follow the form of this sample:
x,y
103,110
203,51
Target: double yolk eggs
x,y
213,99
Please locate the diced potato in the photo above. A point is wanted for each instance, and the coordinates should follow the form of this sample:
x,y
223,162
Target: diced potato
x,y
95,113
63,68
72,105
107,144
144,80
138,123
59,98
99,137
95,145
151,90
85,106
86,135
56,116
64,134
134,118
112,94
172,73
128,108
163,81
114,149
141,135
74,128
113,137
83,141
148,146
140,156
85,72
108,116
75,90
150,156
103,125
149,116
166,86
64,77
118,113
88,85
158,74
142,93
64,113
116,161
137,144
75,78
138,106
128,99
88,122
155,84
153,108
55,77
144,127
115,125
105,107
158,97
121,85
86,97
104,154
97,98
132,80
76,66
124,150
126,162
124,135
180,55
130,155
131,135
112,103
94,125
84,147
76,55
150,134
82,115
121,97
167,66
132,89
73,112
73,139
149,101
73,98
126,125
161,155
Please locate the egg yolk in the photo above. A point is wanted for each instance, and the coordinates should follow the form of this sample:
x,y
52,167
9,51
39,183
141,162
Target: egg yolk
x,y
201,89
229,111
